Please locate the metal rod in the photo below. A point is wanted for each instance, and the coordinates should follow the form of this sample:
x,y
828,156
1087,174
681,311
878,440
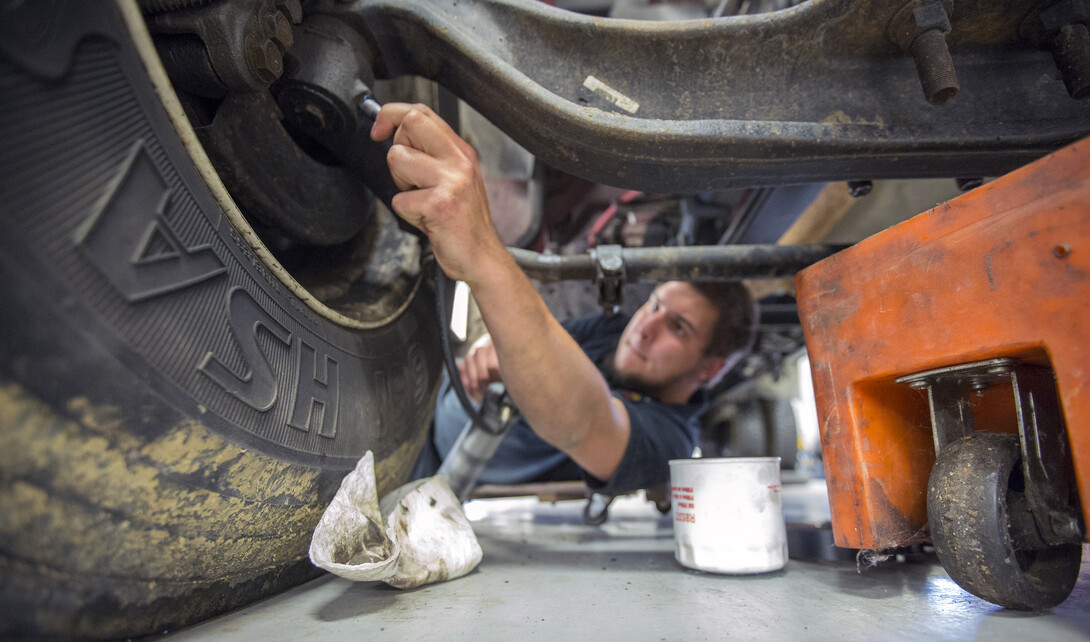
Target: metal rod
x,y
553,267
697,263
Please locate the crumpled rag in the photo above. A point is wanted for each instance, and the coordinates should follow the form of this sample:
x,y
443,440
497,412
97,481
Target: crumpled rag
x,y
418,534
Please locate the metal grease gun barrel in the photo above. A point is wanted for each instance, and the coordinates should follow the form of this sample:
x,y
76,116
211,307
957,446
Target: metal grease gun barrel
x,y
476,445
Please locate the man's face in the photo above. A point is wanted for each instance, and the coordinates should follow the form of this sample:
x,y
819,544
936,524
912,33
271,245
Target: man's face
x,y
662,347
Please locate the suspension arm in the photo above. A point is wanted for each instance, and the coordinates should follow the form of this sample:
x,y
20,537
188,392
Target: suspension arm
x,y
823,91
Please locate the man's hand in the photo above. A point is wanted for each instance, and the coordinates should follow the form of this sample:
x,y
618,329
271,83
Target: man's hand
x,y
442,193
480,368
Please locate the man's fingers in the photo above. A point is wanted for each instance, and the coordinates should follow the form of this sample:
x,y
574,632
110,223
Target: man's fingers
x,y
412,168
388,119
488,367
467,382
411,206
416,126
472,376
488,363
479,369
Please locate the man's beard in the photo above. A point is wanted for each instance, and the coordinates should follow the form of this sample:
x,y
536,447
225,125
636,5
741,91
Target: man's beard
x,y
628,381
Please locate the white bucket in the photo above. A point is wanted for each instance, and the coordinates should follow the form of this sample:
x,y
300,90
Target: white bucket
x,y
728,514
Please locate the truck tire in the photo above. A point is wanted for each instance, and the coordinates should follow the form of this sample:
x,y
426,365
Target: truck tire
x,y
175,410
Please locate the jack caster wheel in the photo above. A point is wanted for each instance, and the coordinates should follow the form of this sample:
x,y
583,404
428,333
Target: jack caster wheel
x,y
975,495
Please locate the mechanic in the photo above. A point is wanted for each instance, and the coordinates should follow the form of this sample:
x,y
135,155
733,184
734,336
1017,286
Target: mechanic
x,y
617,432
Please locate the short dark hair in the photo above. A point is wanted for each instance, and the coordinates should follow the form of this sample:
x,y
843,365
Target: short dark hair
x,y
735,327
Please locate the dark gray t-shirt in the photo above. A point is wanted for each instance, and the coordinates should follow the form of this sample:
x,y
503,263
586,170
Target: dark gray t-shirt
x,y
660,431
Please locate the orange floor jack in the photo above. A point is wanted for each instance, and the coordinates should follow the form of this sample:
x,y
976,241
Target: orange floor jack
x,y
951,367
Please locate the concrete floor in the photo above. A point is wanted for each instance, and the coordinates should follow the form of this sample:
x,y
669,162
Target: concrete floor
x,y
547,576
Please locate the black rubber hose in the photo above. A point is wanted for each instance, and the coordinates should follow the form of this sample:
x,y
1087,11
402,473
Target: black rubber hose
x,y
442,288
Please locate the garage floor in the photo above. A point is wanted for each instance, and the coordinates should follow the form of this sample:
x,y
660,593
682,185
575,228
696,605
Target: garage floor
x,y
547,576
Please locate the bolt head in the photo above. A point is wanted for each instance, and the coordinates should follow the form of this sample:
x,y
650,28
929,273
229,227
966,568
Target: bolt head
x,y
612,263
274,25
281,32
979,384
916,17
931,15
1065,13
265,60
274,57
860,188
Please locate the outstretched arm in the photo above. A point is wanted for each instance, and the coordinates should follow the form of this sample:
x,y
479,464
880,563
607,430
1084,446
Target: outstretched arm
x,y
556,387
